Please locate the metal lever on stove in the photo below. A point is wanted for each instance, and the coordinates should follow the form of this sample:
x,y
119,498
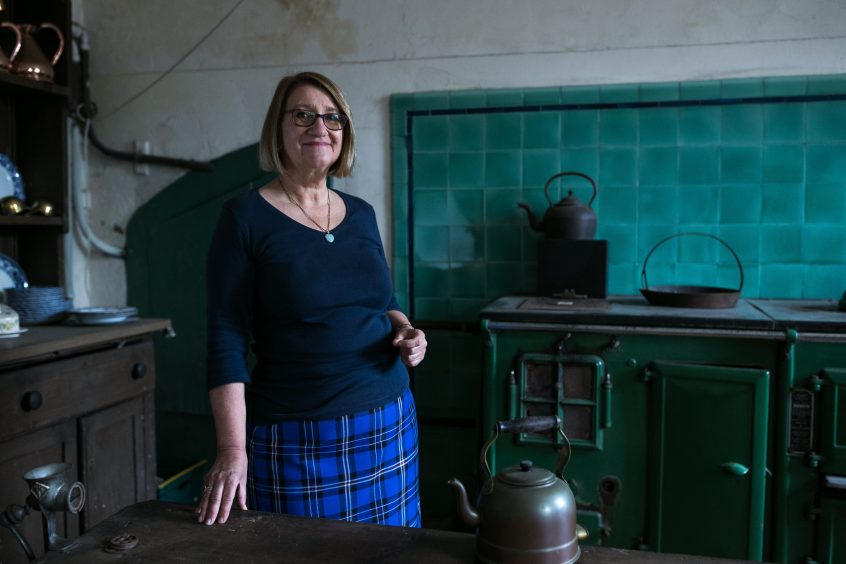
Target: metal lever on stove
x,y
734,468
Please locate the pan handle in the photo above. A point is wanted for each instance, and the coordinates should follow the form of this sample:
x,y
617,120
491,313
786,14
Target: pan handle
x,y
665,239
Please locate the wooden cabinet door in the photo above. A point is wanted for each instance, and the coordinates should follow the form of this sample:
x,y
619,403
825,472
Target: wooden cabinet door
x,y
708,438
117,458
17,456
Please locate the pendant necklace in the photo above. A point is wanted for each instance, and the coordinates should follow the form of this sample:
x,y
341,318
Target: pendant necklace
x,y
327,234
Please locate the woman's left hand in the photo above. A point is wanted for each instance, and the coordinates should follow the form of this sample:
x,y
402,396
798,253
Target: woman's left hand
x,y
412,345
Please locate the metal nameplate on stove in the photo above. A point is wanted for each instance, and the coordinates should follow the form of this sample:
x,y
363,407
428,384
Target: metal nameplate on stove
x,y
801,421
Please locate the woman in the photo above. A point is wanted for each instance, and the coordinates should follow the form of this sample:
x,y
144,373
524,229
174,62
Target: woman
x,y
325,425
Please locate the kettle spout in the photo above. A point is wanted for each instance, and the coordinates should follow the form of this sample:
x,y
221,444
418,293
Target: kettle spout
x,y
465,511
534,220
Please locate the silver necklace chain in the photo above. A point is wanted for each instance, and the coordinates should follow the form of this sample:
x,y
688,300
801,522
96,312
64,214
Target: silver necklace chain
x,y
327,233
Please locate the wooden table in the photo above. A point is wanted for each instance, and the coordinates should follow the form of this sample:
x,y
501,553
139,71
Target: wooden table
x,y
170,533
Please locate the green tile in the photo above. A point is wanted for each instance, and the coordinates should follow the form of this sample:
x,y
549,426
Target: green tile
x,y
823,244
699,204
541,130
580,128
585,161
740,203
400,105
742,124
826,84
699,125
432,280
504,278
402,300
781,244
826,203
466,207
503,168
618,93
465,309
699,90
784,123
742,88
466,243
657,205
823,282
400,238
785,86
699,165
618,166
467,99
432,309
541,96
622,241
744,241
430,170
658,92
783,163
825,164
539,165
826,121
537,202
580,95
430,208
431,243
468,280
623,278
503,243
782,203
619,205
728,276
696,274
740,164
781,280
505,97
430,133
431,101
503,131
466,170
399,271
501,207
466,132
658,166
697,249
659,126
399,165
618,127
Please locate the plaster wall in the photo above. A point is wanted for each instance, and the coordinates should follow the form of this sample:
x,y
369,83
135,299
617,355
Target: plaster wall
x,y
193,78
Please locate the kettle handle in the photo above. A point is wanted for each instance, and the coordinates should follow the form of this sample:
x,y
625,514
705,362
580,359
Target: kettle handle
x,y
560,174
59,36
19,37
527,425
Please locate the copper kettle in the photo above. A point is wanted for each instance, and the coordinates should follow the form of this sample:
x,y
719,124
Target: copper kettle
x,y
567,219
6,61
31,61
525,514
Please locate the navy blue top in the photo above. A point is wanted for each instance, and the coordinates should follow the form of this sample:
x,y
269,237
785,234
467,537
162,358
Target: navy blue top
x,y
316,312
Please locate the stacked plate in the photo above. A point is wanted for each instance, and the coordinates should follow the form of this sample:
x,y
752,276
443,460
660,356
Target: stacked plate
x,y
101,315
38,305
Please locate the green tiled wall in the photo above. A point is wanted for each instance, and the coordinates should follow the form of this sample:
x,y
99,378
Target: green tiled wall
x,y
759,163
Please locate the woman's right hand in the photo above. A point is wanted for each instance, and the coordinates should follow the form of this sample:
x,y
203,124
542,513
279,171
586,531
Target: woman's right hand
x,y
224,484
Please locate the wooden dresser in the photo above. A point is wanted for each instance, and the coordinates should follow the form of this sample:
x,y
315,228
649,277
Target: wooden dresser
x,y
83,395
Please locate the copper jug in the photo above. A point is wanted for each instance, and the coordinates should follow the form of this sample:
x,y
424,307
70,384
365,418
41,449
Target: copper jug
x,y
6,62
31,61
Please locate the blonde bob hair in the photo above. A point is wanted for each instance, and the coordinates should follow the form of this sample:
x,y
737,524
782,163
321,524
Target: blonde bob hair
x,y
271,149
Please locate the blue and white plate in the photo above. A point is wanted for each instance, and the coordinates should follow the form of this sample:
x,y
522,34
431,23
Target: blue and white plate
x,y
11,275
11,183
101,315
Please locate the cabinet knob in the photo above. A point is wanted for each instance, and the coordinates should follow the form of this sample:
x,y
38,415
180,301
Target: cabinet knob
x,y
32,400
139,370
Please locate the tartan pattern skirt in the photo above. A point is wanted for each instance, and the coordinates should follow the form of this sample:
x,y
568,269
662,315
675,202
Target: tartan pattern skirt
x,y
361,467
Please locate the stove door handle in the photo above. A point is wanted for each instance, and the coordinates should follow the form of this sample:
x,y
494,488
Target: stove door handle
x,y
734,468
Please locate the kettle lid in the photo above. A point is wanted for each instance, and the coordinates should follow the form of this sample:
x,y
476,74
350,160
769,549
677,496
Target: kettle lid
x,y
525,474
570,200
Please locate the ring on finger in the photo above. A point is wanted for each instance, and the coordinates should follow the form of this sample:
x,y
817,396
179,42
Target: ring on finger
x,y
207,488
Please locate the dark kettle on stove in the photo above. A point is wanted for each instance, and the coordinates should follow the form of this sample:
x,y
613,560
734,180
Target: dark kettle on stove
x,y
525,514
567,219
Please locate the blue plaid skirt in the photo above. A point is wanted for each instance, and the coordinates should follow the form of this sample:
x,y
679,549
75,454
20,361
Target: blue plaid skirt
x,y
360,467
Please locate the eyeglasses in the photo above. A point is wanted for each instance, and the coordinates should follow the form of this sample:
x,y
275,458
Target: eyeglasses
x,y
333,120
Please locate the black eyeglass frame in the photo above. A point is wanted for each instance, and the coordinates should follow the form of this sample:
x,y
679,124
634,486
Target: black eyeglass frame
x,y
344,119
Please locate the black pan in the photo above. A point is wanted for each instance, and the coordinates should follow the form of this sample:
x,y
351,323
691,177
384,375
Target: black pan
x,y
691,296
